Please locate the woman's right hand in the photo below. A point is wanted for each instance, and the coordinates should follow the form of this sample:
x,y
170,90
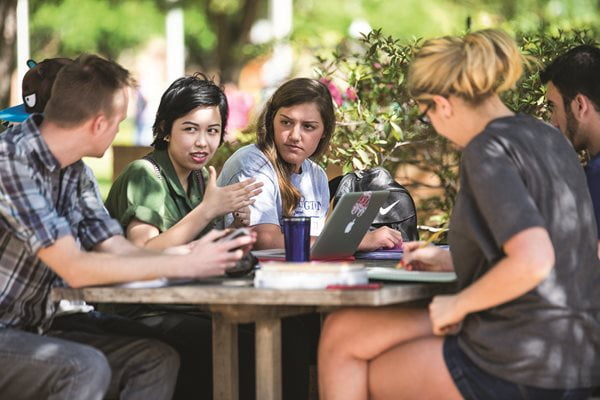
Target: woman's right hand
x,y
222,200
428,258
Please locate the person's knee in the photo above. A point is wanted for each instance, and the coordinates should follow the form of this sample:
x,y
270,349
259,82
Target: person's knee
x,y
91,370
166,357
336,330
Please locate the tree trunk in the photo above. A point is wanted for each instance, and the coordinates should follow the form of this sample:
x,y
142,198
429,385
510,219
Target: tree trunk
x,y
232,31
8,37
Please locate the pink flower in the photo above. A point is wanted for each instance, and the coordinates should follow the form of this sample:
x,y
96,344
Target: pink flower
x,y
351,94
333,90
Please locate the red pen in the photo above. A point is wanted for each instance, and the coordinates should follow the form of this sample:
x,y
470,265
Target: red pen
x,y
363,286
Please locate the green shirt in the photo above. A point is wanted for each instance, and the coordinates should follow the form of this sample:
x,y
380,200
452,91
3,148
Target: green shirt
x,y
151,193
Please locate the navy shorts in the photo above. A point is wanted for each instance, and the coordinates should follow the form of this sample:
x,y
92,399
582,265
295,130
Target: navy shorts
x,y
476,384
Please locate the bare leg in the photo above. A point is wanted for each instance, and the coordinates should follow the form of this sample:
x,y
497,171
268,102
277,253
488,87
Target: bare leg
x,y
412,370
352,337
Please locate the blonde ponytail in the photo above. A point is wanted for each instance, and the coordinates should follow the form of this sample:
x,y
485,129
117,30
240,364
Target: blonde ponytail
x,y
472,67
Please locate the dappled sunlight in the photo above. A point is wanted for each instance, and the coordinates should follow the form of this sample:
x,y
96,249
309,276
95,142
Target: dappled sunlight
x,y
48,351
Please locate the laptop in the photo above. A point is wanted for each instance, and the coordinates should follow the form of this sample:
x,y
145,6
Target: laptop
x,y
344,229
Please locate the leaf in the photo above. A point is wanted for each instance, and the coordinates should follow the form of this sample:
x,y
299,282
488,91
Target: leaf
x,y
365,158
357,164
397,131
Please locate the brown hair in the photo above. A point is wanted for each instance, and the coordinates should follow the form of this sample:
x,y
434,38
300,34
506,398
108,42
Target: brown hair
x,y
472,67
293,92
84,88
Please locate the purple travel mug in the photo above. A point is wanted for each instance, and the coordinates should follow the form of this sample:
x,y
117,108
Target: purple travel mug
x,y
296,235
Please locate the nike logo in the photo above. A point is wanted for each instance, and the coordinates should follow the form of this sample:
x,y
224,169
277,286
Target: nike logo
x,y
386,210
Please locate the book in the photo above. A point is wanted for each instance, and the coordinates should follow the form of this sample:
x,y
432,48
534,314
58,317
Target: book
x,y
309,275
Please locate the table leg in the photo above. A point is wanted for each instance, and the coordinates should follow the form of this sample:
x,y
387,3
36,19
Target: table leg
x,y
225,359
268,359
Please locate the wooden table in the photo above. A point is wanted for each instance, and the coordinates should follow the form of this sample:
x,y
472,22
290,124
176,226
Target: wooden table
x,y
231,303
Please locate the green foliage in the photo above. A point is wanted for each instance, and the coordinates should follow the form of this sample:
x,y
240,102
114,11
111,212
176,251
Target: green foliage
x,y
377,126
377,123
529,96
71,27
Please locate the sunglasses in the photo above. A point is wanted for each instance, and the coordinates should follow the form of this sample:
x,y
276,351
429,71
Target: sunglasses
x,y
423,118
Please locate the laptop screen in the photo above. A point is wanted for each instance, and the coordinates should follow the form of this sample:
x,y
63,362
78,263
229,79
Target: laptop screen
x,y
348,224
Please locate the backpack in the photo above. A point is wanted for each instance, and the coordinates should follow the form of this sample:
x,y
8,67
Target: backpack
x,y
398,212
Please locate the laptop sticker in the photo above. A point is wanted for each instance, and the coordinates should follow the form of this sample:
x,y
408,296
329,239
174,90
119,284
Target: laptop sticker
x,y
361,204
358,209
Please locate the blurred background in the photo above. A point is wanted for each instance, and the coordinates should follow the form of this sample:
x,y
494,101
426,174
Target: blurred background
x,y
249,46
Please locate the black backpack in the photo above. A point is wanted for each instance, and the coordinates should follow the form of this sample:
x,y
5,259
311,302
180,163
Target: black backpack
x,y
398,212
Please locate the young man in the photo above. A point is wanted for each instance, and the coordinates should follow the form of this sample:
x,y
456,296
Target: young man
x,y
573,94
53,225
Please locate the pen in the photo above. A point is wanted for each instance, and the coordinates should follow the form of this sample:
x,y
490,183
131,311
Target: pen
x,y
426,243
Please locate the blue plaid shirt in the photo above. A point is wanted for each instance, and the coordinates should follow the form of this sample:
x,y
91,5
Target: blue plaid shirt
x,y
40,203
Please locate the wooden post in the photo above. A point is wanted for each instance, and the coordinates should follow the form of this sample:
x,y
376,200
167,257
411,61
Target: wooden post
x,y
268,359
225,359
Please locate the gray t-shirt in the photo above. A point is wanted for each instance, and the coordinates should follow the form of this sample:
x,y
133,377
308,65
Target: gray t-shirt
x,y
521,173
312,183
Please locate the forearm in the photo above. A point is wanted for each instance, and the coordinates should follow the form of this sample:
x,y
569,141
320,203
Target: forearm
x,y
506,281
101,269
113,261
183,232
268,236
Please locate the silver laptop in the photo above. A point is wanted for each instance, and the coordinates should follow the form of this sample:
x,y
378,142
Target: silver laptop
x,y
344,229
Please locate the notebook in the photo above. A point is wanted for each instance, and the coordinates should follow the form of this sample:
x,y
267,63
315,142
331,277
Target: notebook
x,y
393,274
344,229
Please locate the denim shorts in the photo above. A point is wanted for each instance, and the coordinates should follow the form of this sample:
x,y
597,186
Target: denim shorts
x,y
473,383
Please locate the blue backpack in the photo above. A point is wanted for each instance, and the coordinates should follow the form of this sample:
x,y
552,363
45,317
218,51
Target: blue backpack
x,y
398,212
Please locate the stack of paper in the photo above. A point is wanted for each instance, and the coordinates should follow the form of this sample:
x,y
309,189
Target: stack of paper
x,y
312,275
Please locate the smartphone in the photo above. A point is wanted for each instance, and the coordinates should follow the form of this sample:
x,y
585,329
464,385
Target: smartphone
x,y
248,261
235,234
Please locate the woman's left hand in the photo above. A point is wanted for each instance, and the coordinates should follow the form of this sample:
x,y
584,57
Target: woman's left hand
x,y
241,217
383,237
445,315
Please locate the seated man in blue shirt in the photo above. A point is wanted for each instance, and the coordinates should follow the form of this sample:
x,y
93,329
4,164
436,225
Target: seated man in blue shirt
x,y
573,94
53,225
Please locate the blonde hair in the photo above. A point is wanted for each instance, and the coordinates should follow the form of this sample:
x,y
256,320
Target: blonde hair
x,y
472,67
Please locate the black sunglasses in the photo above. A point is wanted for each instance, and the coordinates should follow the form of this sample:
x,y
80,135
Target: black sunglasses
x,y
423,118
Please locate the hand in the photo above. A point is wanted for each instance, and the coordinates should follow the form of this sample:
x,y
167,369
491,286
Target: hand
x,y
222,200
241,218
445,315
208,257
428,258
383,237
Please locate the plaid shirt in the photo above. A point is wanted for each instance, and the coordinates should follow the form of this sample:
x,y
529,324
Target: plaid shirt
x,y
40,203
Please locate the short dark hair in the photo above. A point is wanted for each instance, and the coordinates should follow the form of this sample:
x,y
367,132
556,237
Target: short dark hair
x,y
85,87
576,71
183,96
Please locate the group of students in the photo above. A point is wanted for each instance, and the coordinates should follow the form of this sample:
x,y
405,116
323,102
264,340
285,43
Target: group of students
x,y
524,323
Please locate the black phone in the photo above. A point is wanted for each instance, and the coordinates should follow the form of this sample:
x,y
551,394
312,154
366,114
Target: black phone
x,y
243,267
235,234
248,261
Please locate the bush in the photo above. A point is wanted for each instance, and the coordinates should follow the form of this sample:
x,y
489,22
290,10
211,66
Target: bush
x,y
377,123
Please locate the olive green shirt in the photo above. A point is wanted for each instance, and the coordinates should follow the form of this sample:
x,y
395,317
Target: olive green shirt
x,y
151,193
